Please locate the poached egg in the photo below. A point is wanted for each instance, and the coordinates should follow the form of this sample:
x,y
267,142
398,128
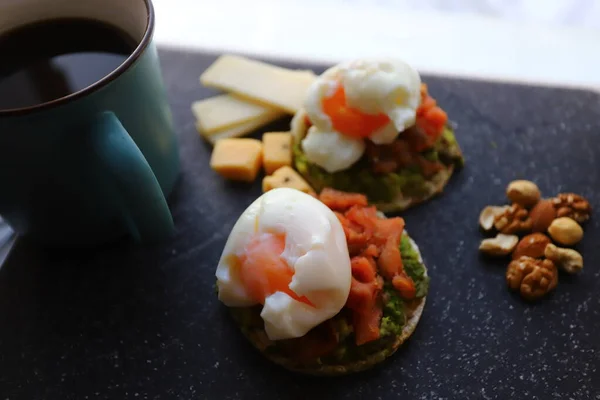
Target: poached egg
x,y
357,100
287,251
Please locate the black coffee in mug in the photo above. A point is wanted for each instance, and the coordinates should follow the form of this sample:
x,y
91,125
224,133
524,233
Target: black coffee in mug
x,y
47,60
93,166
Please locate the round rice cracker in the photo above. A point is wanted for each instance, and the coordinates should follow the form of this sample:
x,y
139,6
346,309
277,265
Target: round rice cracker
x,y
357,366
435,185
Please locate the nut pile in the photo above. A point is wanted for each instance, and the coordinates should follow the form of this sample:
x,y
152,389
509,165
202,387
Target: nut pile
x,y
531,230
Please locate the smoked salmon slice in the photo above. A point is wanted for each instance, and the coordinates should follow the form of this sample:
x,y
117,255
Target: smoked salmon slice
x,y
366,310
351,121
431,119
341,201
373,244
263,271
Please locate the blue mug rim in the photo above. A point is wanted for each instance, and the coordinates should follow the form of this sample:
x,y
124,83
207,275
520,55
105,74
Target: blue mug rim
x,y
139,50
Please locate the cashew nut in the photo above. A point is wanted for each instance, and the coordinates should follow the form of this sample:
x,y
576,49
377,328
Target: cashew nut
x,y
501,245
568,260
488,215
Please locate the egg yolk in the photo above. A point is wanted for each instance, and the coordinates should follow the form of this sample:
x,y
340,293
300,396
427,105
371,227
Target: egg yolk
x,y
263,271
351,121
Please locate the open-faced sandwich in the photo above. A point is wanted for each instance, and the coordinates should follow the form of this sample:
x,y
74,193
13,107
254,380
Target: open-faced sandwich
x,y
324,286
371,127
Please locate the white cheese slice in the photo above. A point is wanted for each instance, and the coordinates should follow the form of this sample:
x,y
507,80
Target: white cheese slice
x,y
239,130
226,111
268,84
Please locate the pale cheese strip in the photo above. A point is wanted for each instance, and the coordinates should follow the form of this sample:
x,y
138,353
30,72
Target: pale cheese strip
x,y
268,84
241,129
226,111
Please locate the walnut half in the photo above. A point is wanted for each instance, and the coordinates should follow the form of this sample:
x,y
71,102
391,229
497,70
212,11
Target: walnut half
x,y
573,206
515,219
533,278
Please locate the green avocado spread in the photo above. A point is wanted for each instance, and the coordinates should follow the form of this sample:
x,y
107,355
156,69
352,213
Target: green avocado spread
x,y
395,312
382,188
393,319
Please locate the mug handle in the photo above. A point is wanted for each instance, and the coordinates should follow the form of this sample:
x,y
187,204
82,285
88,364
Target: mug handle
x,y
145,212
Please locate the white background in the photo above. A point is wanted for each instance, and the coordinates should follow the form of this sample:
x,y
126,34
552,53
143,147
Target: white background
x,y
548,41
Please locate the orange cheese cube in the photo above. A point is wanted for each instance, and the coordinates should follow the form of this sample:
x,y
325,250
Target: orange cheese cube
x,y
277,151
288,178
237,159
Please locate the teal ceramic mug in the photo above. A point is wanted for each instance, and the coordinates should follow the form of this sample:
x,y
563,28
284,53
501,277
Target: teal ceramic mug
x,y
96,164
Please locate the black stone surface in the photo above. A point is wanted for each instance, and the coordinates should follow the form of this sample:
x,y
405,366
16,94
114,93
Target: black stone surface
x,y
127,322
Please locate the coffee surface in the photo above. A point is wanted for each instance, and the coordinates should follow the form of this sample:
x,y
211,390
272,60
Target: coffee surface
x,y
48,60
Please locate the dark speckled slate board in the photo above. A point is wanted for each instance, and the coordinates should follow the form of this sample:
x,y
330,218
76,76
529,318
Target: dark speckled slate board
x,y
130,322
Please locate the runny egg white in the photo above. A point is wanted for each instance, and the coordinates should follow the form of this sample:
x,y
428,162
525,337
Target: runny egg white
x,y
315,249
391,87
